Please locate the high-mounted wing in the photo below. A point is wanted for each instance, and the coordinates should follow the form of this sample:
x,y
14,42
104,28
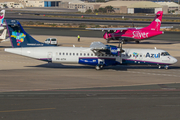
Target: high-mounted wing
x,y
108,29
100,48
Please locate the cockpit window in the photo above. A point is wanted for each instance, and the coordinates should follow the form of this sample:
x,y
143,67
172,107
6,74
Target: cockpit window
x,y
165,54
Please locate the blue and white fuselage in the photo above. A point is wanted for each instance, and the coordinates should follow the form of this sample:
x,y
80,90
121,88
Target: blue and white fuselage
x,y
81,55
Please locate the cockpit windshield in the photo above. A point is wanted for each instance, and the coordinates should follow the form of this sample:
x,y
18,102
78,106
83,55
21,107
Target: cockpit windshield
x,y
165,54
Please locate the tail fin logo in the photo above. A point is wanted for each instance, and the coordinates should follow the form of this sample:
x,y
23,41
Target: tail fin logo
x,y
19,37
157,20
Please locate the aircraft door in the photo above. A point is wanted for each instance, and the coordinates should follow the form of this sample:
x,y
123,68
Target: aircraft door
x,y
49,56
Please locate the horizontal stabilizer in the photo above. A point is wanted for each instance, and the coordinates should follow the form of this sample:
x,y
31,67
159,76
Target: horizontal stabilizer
x,y
97,45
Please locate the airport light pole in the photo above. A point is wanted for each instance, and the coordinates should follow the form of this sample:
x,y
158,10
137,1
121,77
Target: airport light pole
x,y
178,6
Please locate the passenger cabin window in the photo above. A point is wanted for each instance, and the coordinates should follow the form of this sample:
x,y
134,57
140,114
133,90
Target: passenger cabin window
x,y
63,53
88,54
59,53
69,53
84,54
66,53
77,54
80,54
73,53
91,54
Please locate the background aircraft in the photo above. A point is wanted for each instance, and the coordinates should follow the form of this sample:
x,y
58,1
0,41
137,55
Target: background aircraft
x,y
2,20
134,34
98,54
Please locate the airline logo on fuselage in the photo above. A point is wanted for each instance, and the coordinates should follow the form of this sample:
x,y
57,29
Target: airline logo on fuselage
x,y
135,54
19,37
148,55
140,35
151,55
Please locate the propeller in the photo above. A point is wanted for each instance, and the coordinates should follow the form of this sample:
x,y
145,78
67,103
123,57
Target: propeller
x,y
120,46
113,36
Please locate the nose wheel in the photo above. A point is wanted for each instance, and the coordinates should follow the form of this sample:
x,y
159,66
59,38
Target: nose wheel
x,y
166,67
159,67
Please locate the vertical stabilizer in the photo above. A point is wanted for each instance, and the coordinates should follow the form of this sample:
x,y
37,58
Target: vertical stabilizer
x,y
156,23
19,38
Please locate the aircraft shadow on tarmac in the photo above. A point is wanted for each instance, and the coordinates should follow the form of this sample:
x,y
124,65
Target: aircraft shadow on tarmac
x,y
56,66
118,68
5,46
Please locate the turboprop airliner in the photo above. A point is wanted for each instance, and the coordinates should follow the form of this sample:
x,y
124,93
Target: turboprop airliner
x,y
134,34
98,54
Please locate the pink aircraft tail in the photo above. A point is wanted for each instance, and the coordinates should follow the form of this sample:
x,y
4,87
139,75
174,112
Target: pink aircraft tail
x,y
2,17
156,23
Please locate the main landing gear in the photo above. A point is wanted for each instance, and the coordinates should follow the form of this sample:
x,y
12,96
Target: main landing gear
x,y
99,67
107,40
137,42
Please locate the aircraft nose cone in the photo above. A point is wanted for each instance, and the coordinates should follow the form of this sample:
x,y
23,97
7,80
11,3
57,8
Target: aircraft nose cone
x,y
105,35
175,60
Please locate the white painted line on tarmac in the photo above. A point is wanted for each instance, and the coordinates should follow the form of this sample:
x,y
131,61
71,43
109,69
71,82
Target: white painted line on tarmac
x,y
168,75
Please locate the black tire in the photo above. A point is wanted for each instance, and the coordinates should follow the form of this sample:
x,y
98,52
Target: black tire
x,y
137,42
97,67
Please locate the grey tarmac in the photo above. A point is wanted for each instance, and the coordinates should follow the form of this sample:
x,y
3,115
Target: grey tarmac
x,y
32,89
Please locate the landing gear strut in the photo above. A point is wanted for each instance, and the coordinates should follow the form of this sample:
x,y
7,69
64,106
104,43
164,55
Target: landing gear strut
x,y
107,40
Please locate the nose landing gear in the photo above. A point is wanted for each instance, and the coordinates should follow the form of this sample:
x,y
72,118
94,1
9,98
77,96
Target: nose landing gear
x,y
166,67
